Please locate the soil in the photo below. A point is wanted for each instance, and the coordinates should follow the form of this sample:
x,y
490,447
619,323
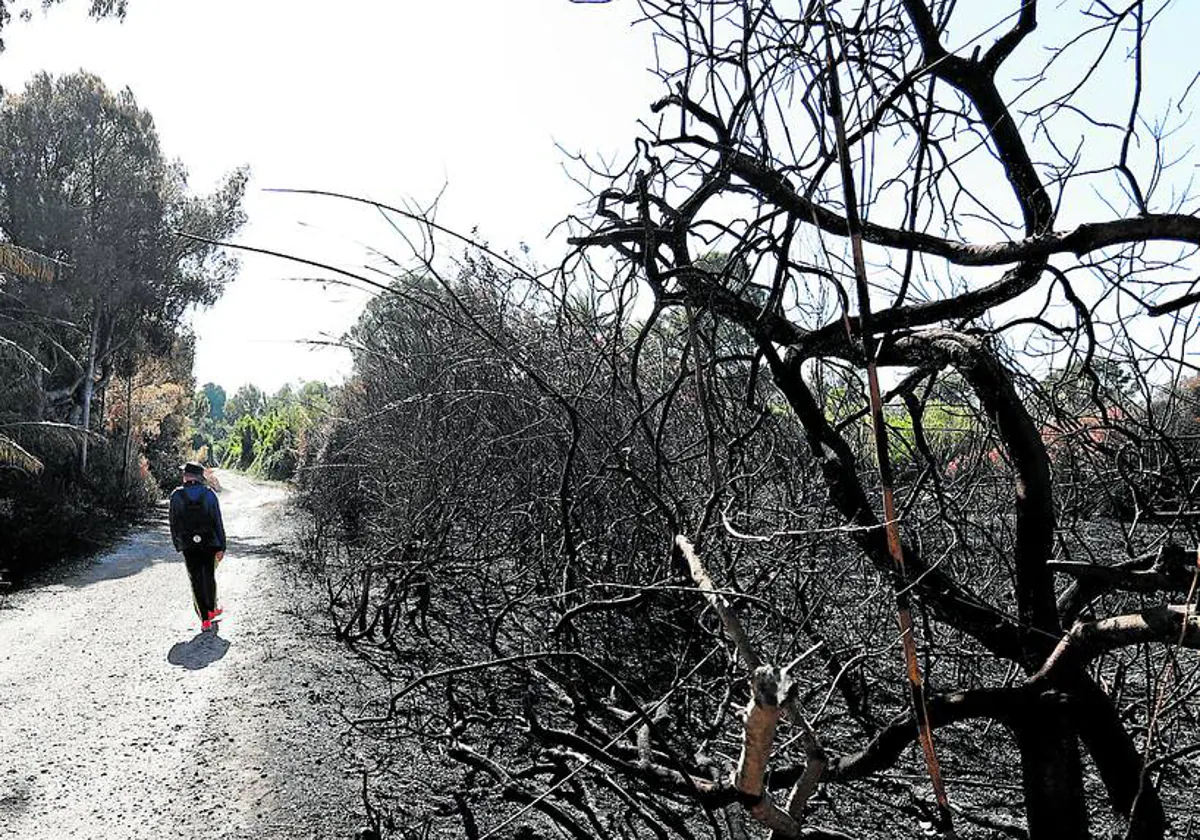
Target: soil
x,y
120,719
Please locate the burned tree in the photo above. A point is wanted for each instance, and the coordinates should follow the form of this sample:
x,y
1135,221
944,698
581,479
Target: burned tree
x,y
664,602
745,158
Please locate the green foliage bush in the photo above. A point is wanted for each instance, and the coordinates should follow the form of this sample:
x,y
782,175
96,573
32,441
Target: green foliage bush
x,y
260,435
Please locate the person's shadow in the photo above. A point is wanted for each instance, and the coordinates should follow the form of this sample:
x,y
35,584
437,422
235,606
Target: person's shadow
x,y
200,651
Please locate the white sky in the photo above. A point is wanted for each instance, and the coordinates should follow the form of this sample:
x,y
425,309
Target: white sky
x,y
391,99
394,100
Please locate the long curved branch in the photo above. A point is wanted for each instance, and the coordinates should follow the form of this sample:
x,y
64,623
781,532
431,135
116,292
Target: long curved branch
x,y
976,80
1080,240
1000,704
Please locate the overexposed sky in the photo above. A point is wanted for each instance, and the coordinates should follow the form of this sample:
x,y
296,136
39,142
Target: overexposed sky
x,y
390,99
397,100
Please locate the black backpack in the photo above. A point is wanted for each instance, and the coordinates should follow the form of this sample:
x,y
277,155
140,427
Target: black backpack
x,y
196,525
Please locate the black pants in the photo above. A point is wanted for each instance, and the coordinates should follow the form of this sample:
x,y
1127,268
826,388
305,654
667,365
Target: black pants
x,y
202,568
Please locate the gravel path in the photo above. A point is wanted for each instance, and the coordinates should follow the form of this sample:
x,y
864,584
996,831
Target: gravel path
x,y
118,719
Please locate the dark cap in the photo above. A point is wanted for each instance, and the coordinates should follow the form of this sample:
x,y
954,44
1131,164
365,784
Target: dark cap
x,y
192,468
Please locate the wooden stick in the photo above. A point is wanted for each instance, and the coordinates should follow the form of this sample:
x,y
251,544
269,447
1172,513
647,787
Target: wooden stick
x,y
904,611
733,627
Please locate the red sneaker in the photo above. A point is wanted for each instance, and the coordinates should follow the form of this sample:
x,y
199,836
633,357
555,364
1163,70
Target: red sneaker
x,y
213,614
205,626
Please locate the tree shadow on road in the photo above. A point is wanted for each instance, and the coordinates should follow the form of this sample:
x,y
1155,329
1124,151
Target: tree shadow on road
x,y
200,651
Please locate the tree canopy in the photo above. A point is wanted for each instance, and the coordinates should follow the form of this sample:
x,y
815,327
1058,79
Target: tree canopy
x,y
83,180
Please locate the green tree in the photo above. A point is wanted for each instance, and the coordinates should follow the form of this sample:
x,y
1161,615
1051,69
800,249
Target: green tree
x,y
201,409
248,400
276,446
281,400
82,179
215,395
239,450
314,398
267,436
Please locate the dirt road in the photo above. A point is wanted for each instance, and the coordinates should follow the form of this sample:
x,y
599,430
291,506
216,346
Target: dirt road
x,y
118,719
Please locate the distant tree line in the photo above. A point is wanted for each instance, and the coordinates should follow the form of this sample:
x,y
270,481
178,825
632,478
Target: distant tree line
x,y
97,9
265,436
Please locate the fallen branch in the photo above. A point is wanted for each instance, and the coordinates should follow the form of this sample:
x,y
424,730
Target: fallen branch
x,y
733,627
772,698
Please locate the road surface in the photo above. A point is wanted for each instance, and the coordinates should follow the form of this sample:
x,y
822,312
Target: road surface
x,y
118,719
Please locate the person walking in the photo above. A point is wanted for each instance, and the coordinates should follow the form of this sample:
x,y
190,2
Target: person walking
x,y
198,532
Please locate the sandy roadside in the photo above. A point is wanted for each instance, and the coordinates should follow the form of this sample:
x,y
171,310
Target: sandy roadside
x,y
119,720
